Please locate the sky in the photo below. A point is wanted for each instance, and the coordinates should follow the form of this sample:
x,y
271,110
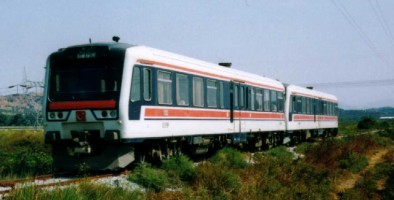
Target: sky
x,y
301,42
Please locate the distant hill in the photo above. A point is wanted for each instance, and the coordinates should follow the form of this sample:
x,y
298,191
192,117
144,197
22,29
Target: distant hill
x,y
20,103
371,112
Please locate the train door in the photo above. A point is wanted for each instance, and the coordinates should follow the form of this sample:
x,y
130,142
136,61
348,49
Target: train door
x,y
234,106
237,104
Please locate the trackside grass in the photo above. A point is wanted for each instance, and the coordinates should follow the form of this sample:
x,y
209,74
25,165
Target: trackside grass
x,y
23,153
366,161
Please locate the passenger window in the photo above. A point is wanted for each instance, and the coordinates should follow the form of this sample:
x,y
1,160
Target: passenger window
x,y
299,104
303,105
307,105
221,94
242,97
212,93
135,93
274,101
182,90
198,92
236,96
266,100
280,102
252,98
293,104
259,100
164,87
311,106
147,84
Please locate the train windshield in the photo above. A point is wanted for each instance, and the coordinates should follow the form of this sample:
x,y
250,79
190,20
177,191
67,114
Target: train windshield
x,y
84,79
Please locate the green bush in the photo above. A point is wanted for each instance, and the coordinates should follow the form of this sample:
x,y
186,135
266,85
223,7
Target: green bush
x,y
23,153
354,162
217,181
366,123
150,178
229,158
180,166
389,133
281,153
274,178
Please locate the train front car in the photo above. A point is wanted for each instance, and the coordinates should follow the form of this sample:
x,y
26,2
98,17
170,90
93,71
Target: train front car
x,y
81,107
310,113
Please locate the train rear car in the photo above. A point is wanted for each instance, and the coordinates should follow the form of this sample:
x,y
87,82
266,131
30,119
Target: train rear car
x,y
310,113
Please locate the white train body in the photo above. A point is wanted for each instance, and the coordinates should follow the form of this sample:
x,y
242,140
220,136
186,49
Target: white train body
x,y
160,120
104,102
307,109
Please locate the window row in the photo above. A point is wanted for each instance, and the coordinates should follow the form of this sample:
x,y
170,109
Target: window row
x,y
305,105
258,99
184,86
214,90
196,91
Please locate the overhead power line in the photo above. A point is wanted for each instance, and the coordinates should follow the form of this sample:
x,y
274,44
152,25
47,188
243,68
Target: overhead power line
x,y
363,83
382,20
343,10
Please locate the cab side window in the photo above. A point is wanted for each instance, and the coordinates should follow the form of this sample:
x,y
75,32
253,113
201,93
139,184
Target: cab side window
x,y
135,93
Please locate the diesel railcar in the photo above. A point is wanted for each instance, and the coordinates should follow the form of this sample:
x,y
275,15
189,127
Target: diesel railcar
x,y
109,104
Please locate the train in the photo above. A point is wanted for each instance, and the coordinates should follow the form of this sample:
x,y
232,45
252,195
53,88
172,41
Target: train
x,y
107,105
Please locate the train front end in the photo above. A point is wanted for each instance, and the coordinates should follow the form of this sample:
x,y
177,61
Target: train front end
x,y
81,107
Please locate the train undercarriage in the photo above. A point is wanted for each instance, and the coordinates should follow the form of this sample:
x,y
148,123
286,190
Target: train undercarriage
x,y
91,154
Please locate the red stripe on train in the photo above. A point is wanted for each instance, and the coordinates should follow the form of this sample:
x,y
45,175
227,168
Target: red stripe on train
x,y
298,117
184,113
76,105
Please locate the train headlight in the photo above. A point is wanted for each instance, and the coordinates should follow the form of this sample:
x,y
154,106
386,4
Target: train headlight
x,y
52,115
105,114
113,113
58,115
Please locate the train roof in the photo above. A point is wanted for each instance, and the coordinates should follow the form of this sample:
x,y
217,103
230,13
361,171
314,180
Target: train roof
x,y
302,91
110,45
152,56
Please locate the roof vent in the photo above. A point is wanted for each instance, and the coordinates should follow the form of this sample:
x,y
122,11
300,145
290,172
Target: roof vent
x,y
225,64
116,39
310,87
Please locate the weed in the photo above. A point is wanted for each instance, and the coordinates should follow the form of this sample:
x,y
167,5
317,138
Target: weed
x,y
150,178
180,166
353,161
83,191
281,153
216,180
229,158
23,153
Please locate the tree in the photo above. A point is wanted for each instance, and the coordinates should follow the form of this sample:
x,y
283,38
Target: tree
x,y
366,123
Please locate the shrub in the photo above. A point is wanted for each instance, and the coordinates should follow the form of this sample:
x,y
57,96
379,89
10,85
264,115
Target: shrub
x,y
354,162
281,153
150,178
23,153
389,133
286,179
229,158
180,166
219,182
366,123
